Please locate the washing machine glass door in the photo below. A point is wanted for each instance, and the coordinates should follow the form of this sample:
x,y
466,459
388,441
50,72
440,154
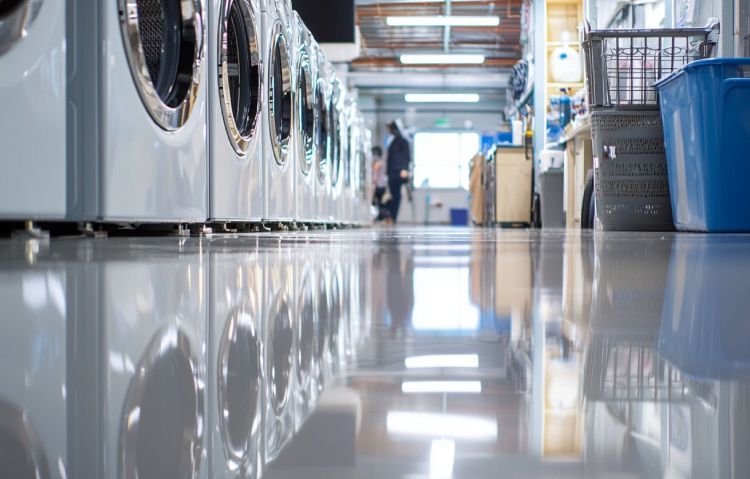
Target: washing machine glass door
x,y
239,73
280,96
15,18
306,339
350,142
162,424
281,338
239,386
164,45
322,136
22,455
306,113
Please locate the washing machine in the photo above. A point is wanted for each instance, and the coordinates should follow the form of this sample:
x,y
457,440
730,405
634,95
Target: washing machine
x,y
306,339
236,83
323,136
34,354
365,175
153,327
278,145
235,379
337,129
280,323
137,118
33,98
303,121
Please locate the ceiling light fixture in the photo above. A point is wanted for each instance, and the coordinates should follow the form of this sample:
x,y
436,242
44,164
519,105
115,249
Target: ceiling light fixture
x,y
444,21
442,361
441,387
446,426
442,98
442,59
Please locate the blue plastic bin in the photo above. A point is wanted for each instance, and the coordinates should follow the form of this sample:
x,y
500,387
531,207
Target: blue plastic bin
x,y
705,107
459,217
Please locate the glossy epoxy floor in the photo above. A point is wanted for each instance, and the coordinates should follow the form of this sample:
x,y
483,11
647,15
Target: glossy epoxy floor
x,y
405,353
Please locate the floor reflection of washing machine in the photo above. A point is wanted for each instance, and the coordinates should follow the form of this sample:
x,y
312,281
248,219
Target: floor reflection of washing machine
x,y
306,342
323,143
278,182
337,130
33,357
304,122
235,384
33,98
279,329
323,308
235,133
137,91
153,320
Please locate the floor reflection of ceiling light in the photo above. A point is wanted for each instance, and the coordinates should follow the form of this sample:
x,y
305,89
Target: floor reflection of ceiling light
x,y
420,424
442,456
416,387
443,361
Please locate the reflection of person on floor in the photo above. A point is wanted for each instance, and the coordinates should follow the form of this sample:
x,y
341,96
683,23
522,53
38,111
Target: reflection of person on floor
x,y
379,183
399,159
400,288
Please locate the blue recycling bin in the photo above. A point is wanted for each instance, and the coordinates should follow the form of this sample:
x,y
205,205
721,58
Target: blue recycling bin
x,y
704,108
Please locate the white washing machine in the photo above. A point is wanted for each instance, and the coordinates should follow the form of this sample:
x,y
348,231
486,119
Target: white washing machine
x,y
323,142
365,174
33,357
280,320
235,396
235,66
351,130
33,97
337,130
138,119
304,122
278,164
153,320
306,339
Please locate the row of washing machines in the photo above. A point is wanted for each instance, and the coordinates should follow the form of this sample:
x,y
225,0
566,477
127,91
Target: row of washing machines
x,y
174,111
135,359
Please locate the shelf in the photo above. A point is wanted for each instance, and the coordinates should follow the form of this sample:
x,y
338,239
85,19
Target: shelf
x,y
563,44
564,85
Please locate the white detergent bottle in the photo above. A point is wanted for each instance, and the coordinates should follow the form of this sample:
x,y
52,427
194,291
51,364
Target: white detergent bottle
x,y
565,62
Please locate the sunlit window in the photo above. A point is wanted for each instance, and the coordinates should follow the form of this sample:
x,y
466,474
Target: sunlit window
x,y
441,159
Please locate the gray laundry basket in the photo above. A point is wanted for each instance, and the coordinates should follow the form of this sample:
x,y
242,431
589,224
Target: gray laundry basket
x,y
630,171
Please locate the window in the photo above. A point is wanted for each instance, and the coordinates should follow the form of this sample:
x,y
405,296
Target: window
x,y
441,159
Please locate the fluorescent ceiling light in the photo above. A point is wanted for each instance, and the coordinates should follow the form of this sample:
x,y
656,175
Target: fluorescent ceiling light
x,y
447,387
442,59
444,21
448,426
442,98
442,456
443,361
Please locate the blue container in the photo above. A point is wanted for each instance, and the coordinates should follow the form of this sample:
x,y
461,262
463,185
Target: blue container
x,y
706,111
459,217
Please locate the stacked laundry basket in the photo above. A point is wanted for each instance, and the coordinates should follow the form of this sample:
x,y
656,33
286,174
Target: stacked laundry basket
x,y
630,164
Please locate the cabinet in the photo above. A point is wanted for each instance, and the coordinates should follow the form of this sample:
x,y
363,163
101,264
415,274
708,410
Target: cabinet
x,y
513,171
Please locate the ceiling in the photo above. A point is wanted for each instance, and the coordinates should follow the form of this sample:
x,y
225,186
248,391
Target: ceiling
x,y
382,44
378,71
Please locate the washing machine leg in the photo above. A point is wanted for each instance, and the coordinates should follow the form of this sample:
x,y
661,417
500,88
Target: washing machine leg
x,y
31,231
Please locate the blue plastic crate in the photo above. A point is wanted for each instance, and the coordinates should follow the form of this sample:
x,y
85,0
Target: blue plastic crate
x,y
705,108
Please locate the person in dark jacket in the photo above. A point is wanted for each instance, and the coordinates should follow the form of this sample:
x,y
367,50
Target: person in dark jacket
x,y
399,159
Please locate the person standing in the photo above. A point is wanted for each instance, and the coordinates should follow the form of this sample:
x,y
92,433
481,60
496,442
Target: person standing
x,y
399,159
